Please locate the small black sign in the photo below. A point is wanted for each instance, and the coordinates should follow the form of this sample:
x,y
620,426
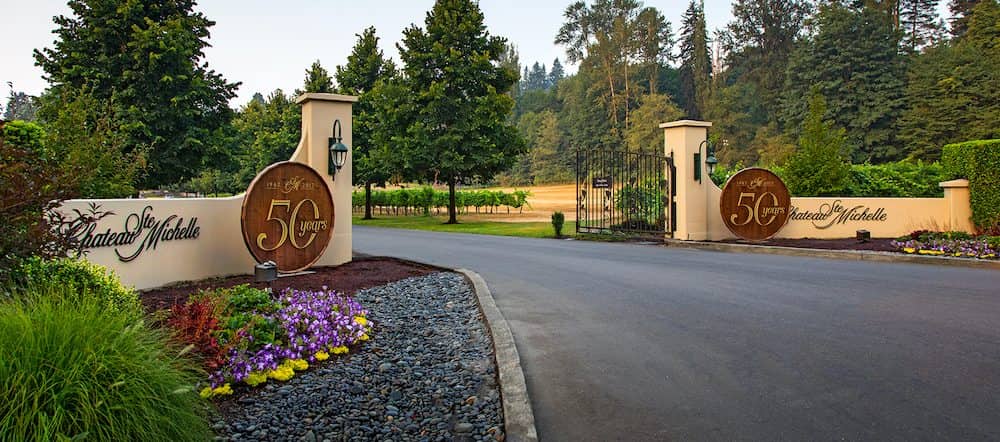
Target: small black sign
x,y
602,182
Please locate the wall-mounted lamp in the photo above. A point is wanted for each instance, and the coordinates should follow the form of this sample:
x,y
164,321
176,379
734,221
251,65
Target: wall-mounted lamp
x,y
338,151
710,160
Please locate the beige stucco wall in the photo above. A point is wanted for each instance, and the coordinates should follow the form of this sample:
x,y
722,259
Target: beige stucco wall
x,y
219,249
699,217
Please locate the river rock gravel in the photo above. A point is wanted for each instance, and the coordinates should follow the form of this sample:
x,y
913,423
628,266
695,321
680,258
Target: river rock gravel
x,y
426,374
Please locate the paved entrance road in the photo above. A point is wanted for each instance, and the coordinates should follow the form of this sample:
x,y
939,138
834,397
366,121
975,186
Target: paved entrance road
x,y
631,342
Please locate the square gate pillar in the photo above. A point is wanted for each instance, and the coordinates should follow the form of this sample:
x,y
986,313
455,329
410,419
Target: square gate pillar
x,y
682,140
319,111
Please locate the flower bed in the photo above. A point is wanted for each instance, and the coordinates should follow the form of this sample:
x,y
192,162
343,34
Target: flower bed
x,y
955,244
246,335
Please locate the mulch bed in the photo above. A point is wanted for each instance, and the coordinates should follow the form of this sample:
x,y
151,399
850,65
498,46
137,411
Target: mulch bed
x,y
359,274
876,244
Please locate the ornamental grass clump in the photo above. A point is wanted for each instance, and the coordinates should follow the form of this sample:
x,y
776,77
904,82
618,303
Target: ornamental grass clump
x,y
81,371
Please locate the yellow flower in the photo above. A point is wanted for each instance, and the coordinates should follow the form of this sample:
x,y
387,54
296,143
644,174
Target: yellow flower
x,y
299,364
282,373
909,249
339,350
931,252
205,393
361,320
322,355
256,378
223,390
364,337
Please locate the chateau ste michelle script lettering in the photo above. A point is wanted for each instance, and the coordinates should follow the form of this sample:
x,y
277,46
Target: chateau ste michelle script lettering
x,y
140,225
830,214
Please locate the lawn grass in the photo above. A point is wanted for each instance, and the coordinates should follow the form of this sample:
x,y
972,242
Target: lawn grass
x,y
436,224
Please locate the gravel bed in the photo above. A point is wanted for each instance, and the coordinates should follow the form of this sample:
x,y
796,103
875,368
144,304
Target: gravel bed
x,y
426,374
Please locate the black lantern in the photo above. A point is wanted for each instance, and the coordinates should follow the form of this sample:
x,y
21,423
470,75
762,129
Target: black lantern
x,y
710,160
338,151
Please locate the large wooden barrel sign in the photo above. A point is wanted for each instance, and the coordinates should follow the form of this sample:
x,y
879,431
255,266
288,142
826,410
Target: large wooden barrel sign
x,y
755,204
287,216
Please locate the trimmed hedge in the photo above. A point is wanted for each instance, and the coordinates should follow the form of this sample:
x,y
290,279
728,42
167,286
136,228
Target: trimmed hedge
x,y
979,162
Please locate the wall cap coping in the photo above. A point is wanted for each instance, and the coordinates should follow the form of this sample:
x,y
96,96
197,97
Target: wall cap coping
x,y
318,96
685,123
959,183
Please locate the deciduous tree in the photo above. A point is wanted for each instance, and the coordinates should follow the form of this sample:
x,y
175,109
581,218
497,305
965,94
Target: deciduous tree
x,y
317,79
147,60
365,68
457,119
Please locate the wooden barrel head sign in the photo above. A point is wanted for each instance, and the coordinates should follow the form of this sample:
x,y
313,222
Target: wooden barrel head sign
x,y
287,216
755,204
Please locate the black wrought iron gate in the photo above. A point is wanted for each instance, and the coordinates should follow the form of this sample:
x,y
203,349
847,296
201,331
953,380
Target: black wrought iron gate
x,y
629,192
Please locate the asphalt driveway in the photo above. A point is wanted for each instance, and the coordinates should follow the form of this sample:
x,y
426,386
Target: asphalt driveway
x,y
632,342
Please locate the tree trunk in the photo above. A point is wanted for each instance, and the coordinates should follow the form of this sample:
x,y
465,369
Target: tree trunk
x,y
452,219
368,201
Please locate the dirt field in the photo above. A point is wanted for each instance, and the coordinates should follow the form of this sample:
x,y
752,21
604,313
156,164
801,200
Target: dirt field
x,y
543,201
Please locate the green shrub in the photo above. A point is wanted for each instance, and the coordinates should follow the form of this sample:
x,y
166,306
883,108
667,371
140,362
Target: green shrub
x,y
79,280
80,371
902,179
979,162
557,222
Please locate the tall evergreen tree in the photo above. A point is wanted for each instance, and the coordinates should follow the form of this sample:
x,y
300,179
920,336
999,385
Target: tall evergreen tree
x,y
537,78
919,22
511,60
954,89
20,106
317,79
556,73
863,80
146,59
696,61
365,68
961,10
818,167
457,127
759,41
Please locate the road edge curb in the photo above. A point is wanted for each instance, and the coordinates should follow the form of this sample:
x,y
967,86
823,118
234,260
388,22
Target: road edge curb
x,y
851,255
519,419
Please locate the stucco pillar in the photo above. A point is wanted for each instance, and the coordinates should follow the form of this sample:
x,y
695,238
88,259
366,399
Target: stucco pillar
x,y
682,139
956,199
318,114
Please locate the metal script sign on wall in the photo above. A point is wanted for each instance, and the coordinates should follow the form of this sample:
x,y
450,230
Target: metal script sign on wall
x,y
288,216
755,204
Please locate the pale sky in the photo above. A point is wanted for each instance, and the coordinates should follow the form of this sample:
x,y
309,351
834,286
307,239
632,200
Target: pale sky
x,y
268,44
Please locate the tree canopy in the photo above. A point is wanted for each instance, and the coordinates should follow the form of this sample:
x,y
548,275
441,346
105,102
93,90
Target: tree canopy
x,y
146,59
457,116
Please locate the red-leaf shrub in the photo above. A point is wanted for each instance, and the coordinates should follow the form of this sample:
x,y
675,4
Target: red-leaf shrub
x,y
195,323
